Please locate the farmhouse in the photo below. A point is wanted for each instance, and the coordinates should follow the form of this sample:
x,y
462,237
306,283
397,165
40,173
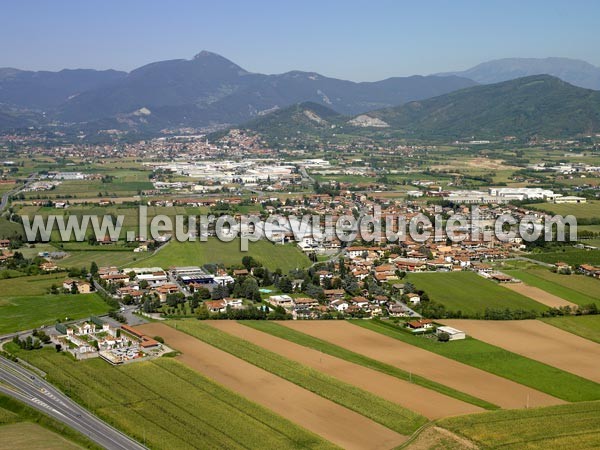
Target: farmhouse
x,y
501,278
420,325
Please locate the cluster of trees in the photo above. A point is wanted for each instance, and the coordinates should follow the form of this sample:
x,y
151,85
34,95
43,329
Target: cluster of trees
x,y
582,310
33,342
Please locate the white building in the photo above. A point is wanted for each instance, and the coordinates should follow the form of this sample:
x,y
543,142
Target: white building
x,y
454,334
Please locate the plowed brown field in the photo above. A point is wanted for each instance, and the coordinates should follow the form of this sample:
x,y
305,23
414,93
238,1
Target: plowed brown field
x,y
476,382
428,403
539,295
321,416
540,341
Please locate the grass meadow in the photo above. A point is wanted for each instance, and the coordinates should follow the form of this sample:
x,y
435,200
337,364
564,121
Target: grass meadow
x,y
25,303
284,257
470,293
564,426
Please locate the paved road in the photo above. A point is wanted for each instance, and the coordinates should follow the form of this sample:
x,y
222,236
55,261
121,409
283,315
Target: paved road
x,y
4,199
25,386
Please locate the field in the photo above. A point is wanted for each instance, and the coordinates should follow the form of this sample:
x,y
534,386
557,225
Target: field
x,y
585,326
570,255
24,312
539,341
558,427
284,257
24,427
168,405
470,380
470,293
324,417
362,402
411,396
578,289
496,360
539,295
580,210
102,258
276,329
32,437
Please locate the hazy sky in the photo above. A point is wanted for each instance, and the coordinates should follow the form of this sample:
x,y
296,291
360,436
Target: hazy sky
x,y
357,40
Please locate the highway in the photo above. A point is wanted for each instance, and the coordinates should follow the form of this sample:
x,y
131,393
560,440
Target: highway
x,y
27,387
4,198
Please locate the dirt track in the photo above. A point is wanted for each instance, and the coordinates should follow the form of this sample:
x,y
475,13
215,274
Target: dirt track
x,y
540,296
321,416
540,341
430,404
476,382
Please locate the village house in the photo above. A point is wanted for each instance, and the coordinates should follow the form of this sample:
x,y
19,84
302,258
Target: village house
x,y
339,305
413,298
589,270
282,300
419,325
216,306
83,287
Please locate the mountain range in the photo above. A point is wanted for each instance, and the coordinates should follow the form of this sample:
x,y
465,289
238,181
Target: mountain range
x,y
210,92
536,105
573,71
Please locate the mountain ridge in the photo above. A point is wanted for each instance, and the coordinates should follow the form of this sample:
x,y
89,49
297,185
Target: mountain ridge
x,y
574,71
536,105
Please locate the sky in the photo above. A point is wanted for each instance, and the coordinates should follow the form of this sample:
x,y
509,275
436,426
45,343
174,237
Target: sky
x,y
357,40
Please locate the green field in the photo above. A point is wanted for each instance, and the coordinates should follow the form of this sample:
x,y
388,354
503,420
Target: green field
x,y
574,288
331,349
24,427
167,405
570,255
284,257
554,427
376,408
498,361
586,210
470,293
584,326
37,308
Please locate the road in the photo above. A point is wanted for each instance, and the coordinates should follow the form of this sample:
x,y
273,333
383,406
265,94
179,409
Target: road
x,y
4,199
27,387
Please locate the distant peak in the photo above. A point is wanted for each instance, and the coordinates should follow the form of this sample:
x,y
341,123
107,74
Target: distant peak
x,y
206,53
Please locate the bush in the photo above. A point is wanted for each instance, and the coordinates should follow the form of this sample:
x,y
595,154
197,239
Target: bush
x,y
443,337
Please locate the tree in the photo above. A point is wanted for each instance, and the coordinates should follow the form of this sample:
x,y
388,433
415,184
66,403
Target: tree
x,y
74,289
285,284
94,269
203,313
443,337
220,292
202,293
